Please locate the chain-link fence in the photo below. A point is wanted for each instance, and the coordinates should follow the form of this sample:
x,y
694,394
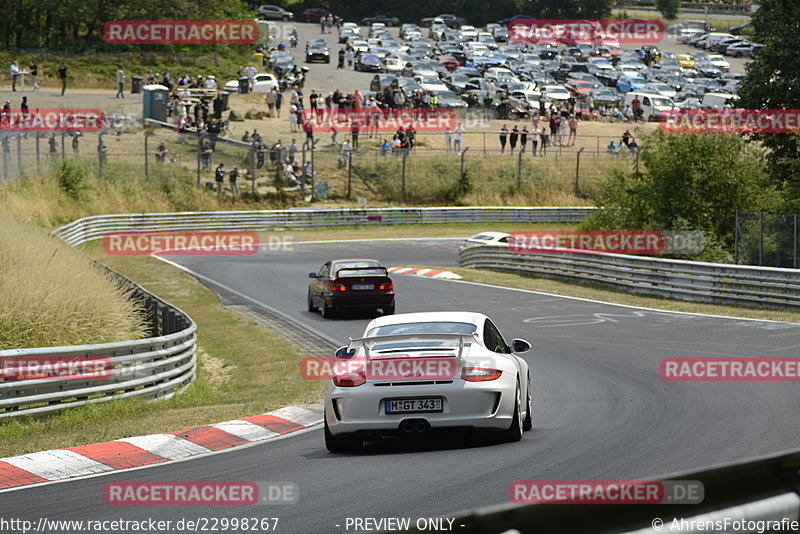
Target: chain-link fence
x,y
766,239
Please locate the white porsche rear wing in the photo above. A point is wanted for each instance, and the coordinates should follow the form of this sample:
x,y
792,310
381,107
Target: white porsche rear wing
x,y
366,341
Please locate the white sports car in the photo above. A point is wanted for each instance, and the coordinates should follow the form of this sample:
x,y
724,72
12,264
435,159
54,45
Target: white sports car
x,y
420,372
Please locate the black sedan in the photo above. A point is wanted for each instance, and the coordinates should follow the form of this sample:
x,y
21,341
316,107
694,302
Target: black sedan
x,y
351,284
368,63
385,19
318,52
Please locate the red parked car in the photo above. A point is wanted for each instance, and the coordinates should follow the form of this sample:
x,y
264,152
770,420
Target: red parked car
x,y
449,62
354,284
315,14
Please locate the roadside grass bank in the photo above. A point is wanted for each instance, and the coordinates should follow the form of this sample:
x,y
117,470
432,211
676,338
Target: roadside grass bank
x,y
595,291
244,369
52,295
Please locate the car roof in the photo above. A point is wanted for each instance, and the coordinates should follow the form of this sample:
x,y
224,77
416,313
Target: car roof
x,y
348,260
426,317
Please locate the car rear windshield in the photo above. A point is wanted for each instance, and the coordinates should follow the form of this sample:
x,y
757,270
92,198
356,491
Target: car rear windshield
x,y
447,345
365,268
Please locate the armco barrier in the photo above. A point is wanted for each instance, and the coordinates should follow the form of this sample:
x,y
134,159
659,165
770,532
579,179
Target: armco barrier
x,y
91,228
766,489
684,280
155,367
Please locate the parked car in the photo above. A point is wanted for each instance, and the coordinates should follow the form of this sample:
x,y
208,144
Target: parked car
x,y
368,63
385,19
449,20
264,82
315,14
626,83
318,52
271,12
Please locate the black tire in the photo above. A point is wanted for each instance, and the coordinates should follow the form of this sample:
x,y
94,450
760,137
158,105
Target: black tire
x,y
389,310
527,423
310,303
325,310
514,432
341,443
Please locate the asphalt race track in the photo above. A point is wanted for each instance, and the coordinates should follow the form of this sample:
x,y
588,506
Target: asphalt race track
x,y
601,411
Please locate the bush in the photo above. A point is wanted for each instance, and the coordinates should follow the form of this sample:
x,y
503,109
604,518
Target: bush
x,y
72,180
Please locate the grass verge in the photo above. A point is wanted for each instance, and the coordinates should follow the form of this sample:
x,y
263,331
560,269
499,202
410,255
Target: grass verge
x,y
244,370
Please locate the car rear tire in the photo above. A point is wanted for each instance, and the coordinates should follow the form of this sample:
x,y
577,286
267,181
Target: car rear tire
x,y
389,310
514,432
341,443
527,423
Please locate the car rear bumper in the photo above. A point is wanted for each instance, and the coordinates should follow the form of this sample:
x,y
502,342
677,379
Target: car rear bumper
x,y
466,405
360,301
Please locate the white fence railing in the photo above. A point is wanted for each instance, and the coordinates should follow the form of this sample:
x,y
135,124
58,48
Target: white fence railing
x,y
91,228
684,280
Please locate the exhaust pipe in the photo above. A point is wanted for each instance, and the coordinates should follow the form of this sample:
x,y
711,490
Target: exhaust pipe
x,y
421,427
407,427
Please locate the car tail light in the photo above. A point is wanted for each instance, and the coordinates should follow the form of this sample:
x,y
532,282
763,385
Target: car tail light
x,y
386,287
338,287
480,374
350,380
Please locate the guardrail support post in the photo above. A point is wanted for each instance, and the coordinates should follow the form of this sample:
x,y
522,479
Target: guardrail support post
x,y
147,135
760,238
38,168
519,170
794,240
403,178
19,155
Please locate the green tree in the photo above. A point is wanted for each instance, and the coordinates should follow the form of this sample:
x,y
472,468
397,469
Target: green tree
x,y
771,82
568,9
690,182
668,8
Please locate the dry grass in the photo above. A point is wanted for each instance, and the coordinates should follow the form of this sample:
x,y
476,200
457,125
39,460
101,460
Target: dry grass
x,y
53,295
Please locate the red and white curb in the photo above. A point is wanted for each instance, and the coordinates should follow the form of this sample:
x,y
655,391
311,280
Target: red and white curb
x,y
139,451
419,271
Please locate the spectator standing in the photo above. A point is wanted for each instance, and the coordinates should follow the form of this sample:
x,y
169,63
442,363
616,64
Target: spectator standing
x,y
120,82
278,102
457,134
52,143
308,128
219,177
545,142
23,107
102,151
536,135
233,177
34,71
345,153
573,130
512,139
62,73
354,129
291,150
448,139
271,99
250,74
385,147
503,138
76,149
523,139
205,155
323,23
293,118
542,101
351,55
14,74
342,54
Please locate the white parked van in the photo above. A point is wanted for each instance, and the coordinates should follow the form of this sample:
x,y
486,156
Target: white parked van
x,y
653,104
714,37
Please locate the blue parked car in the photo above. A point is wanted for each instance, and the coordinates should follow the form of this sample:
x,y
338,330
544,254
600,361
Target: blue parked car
x,y
626,84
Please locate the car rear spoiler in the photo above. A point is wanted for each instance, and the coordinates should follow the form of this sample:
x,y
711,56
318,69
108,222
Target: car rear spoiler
x,y
384,269
406,337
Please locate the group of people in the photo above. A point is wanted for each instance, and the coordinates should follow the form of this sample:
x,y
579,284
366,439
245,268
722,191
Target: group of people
x,y
18,74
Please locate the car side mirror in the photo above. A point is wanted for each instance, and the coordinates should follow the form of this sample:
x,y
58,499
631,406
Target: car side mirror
x,y
345,352
520,345
312,275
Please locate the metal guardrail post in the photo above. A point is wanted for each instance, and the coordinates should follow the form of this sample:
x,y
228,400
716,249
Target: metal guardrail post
x,y
578,172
